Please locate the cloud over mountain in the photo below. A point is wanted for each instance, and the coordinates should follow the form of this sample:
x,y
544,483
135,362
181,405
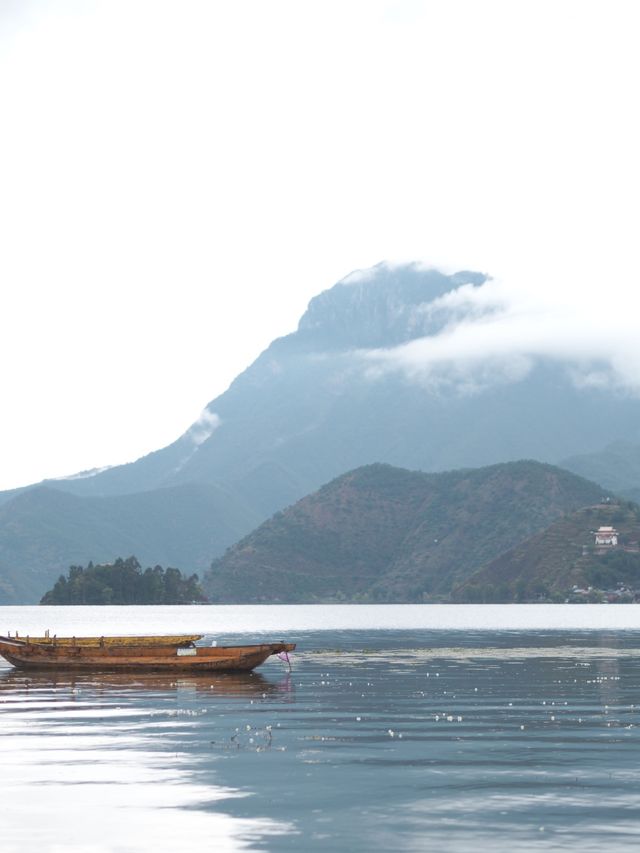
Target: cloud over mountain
x,y
402,364
497,333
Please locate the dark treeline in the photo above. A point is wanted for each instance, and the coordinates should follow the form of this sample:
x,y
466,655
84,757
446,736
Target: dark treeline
x,y
124,582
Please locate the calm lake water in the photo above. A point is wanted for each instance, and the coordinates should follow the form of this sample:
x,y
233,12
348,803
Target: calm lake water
x,y
400,728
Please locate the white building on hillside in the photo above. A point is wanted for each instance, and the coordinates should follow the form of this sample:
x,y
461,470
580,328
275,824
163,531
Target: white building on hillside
x,y
606,537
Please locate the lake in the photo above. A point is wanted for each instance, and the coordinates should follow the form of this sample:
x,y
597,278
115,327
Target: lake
x,y
399,728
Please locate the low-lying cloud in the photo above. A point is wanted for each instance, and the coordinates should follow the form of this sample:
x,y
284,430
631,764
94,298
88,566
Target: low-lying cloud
x,y
204,427
495,334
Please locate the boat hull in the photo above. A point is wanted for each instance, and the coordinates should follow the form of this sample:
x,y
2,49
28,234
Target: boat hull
x,y
156,657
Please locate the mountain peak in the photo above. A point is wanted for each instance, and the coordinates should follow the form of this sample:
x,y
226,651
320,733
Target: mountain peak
x,y
385,305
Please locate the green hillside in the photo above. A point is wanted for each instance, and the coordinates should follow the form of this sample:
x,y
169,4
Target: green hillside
x,y
381,533
43,531
549,564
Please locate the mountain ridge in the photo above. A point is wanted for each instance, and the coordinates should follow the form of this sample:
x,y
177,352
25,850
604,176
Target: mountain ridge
x,y
285,409
310,407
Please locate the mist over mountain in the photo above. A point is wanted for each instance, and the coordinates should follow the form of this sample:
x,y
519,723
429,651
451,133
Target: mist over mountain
x,y
402,365
324,399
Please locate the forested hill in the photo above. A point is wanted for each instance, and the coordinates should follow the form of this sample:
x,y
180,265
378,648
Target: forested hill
x,y
550,564
124,582
381,533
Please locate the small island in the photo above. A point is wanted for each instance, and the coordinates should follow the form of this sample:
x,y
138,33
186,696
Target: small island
x,y
124,582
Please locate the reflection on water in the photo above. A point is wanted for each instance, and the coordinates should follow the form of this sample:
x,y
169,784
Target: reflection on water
x,y
378,740
231,684
104,764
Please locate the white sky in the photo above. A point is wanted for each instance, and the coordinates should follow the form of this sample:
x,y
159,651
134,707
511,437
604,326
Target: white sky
x,y
178,179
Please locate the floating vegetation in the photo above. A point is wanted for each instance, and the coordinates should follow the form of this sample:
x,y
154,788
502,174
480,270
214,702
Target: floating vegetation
x,y
410,657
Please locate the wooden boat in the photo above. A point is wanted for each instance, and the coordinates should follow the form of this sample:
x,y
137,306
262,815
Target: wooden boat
x,y
176,653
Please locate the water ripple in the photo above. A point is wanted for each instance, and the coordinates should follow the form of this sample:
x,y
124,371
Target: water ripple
x,y
376,741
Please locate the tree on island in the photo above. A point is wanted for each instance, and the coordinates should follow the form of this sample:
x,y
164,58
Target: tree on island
x,y
124,582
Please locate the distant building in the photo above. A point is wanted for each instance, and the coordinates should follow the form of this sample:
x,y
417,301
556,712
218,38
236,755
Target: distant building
x,y
606,537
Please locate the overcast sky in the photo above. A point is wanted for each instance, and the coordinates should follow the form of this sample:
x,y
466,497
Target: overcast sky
x,y
180,178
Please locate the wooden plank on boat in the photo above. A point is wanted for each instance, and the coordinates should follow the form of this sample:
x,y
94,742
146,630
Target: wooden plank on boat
x,y
164,640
